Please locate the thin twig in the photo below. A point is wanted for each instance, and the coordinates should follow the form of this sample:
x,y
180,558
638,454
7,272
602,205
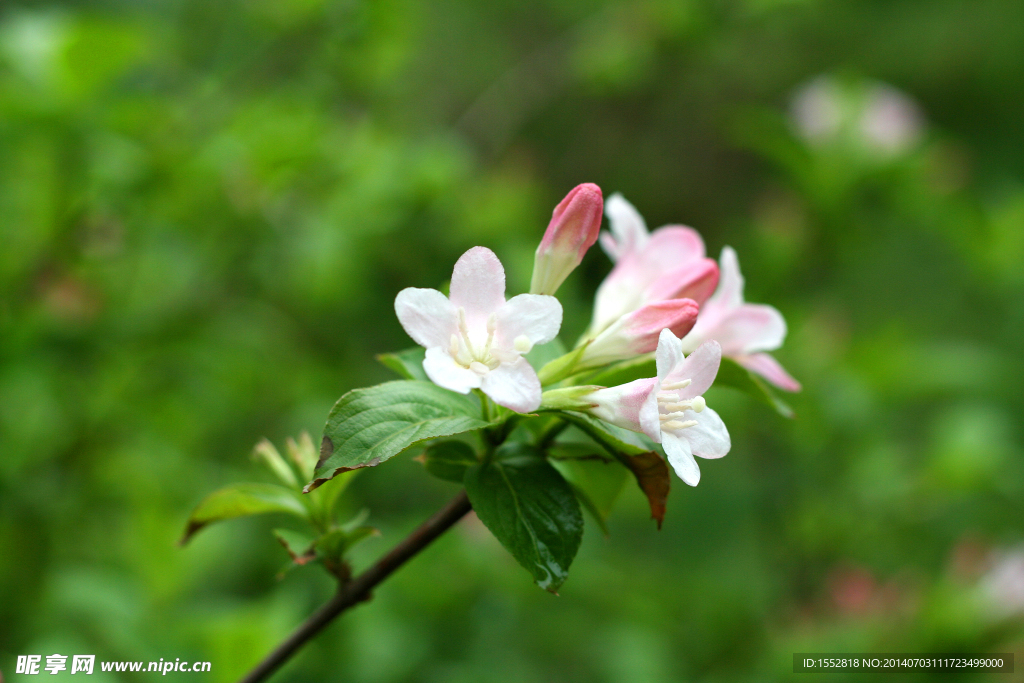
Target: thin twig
x,y
358,589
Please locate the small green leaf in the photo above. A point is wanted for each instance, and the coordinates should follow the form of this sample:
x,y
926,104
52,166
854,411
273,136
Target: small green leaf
x,y
449,460
616,440
531,510
368,426
541,355
242,500
332,547
732,374
558,369
596,478
326,496
303,454
298,545
407,364
266,452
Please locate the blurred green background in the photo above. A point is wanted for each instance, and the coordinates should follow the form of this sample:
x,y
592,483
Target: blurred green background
x,y
207,208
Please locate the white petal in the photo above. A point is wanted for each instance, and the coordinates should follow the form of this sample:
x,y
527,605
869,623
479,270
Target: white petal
x,y
513,385
478,284
730,280
650,419
445,372
700,367
669,354
628,230
708,438
427,316
535,316
679,456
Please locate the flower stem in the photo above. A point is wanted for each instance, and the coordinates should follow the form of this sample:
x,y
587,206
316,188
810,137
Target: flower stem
x,y
358,589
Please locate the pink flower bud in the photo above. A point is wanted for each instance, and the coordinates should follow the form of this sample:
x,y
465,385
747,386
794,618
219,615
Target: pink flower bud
x,y
573,229
637,333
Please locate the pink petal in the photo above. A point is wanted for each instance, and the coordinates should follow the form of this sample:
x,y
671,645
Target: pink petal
x,y
427,316
478,284
646,324
700,367
513,385
681,459
769,368
535,316
668,249
637,332
708,438
697,280
623,405
445,372
575,222
749,328
671,247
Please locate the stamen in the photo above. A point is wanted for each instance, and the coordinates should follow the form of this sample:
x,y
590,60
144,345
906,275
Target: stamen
x,y
666,396
464,329
479,368
675,425
676,385
670,416
492,325
522,344
699,404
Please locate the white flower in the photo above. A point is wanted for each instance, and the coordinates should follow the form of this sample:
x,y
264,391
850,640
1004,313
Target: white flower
x,y
669,408
475,339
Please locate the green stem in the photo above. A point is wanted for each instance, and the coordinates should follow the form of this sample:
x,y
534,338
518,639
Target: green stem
x,y
551,432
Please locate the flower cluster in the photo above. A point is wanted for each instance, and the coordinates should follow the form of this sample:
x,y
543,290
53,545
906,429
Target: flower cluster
x,y
663,295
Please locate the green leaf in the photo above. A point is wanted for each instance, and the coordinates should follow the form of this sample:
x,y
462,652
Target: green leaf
x,y
407,364
298,545
596,478
615,440
242,500
633,450
449,460
531,510
621,373
732,374
368,426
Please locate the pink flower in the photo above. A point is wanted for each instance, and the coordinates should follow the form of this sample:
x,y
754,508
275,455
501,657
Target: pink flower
x,y
475,339
637,333
745,331
667,264
573,229
669,408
